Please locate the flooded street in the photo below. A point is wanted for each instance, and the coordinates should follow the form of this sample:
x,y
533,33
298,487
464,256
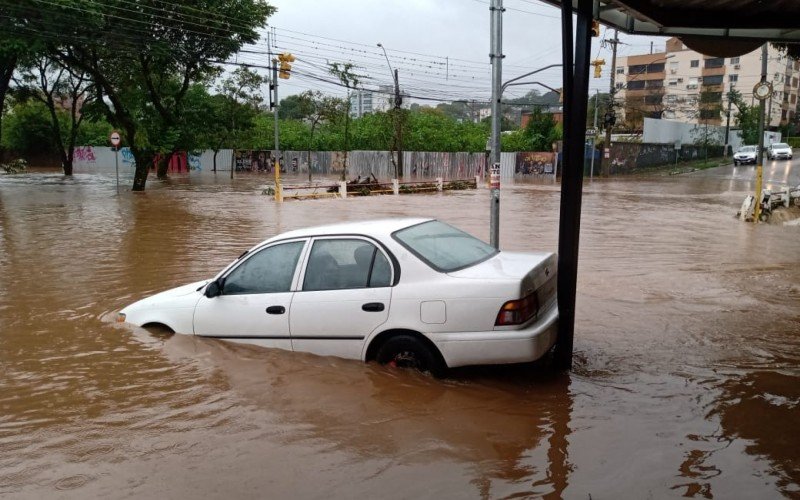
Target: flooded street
x,y
686,380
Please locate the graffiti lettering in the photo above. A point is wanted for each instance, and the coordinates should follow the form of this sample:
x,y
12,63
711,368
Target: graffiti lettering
x,y
84,153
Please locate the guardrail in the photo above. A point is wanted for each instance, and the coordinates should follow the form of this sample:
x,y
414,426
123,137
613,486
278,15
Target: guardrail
x,y
369,188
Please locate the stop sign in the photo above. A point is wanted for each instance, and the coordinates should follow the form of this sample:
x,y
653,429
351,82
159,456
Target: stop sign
x,y
114,138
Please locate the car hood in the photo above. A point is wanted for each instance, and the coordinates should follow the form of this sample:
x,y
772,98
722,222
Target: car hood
x,y
745,153
781,150
168,295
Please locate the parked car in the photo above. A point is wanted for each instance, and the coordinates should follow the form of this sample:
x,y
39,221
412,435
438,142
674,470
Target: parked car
x,y
414,293
745,154
779,150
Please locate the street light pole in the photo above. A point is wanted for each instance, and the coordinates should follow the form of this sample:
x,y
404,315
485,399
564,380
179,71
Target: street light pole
x,y
496,57
398,123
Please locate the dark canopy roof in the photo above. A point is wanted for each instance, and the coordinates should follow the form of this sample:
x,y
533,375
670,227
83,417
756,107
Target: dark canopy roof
x,y
762,20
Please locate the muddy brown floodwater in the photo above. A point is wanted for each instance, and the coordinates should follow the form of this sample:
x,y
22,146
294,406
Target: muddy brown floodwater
x,y
686,380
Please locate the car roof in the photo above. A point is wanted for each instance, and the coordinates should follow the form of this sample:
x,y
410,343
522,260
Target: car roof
x,y
375,228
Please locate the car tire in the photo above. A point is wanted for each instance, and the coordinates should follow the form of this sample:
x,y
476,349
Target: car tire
x,y
407,351
736,163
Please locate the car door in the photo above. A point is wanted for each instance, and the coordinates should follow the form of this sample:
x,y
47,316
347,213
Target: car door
x,y
256,295
345,295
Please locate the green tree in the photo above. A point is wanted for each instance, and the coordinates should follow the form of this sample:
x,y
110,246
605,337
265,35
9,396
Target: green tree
x,y
143,56
28,129
746,117
63,92
541,131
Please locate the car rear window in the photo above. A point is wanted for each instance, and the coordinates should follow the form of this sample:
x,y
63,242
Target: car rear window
x,y
780,145
443,247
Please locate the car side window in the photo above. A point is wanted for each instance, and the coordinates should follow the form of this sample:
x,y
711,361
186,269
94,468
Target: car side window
x,y
268,271
339,264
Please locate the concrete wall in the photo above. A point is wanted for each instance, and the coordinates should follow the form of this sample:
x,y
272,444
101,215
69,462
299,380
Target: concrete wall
x,y
669,131
630,157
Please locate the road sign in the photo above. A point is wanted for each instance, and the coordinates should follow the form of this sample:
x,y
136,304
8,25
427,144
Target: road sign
x,y
591,131
114,138
494,177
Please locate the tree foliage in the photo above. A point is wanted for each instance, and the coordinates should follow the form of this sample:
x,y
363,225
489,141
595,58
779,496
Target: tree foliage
x,y
746,117
142,56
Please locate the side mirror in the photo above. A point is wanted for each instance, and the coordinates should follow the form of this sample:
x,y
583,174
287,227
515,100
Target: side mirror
x,y
215,288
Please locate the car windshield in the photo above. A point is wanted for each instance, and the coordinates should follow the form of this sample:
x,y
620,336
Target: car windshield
x,y
780,145
747,149
444,247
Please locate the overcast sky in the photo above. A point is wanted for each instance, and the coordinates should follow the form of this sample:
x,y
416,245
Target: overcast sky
x,y
440,48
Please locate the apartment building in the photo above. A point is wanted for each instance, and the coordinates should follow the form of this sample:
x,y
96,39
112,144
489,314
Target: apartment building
x,y
363,102
684,85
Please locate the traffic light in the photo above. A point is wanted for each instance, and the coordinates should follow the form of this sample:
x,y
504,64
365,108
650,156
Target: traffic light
x,y
609,119
595,28
286,67
598,67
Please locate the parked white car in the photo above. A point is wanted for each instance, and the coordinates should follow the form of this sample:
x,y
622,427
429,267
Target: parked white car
x,y
779,150
745,154
414,293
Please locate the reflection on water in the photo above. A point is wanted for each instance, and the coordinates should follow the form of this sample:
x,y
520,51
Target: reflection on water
x,y
685,382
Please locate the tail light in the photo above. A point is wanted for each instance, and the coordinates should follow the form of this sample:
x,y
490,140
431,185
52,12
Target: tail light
x,y
517,312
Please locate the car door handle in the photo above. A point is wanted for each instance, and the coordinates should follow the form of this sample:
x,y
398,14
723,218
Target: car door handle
x,y
276,310
373,307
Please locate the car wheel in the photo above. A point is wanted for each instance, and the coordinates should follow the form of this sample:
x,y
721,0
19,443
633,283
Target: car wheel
x,y
406,351
736,163
159,330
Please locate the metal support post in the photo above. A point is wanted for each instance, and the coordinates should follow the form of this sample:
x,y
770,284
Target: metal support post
x,y
116,165
594,146
496,56
576,92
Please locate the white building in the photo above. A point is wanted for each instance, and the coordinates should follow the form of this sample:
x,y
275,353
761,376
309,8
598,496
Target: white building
x,y
363,102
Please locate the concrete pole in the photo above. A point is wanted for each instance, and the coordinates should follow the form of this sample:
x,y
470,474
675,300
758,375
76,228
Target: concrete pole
x,y
496,56
398,100
760,157
728,121
606,165
277,162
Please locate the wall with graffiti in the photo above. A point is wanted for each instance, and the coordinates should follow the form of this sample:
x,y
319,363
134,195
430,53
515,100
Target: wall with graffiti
x,y
535,165
629,157
381,164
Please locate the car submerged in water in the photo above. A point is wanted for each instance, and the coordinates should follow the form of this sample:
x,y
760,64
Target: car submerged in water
x,y
415,293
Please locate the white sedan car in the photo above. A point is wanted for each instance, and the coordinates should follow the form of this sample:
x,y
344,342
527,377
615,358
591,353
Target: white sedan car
x,y
414,293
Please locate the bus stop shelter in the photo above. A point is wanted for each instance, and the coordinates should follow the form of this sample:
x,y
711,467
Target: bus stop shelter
x,y
721,28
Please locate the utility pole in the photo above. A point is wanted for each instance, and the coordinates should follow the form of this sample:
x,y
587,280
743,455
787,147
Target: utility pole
x,y
397,119
605,166
277,162
728,119
496,57
398,123
760,154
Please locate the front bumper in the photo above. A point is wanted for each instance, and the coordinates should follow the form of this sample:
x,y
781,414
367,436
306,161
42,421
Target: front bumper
x,y
499,346
745,160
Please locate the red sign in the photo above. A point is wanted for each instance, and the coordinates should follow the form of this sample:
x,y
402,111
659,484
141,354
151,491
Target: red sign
x,y
114,138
